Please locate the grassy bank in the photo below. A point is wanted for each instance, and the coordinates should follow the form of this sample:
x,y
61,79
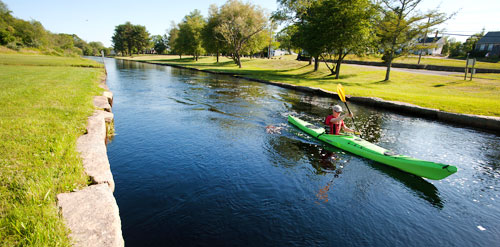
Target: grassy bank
x,y
491,64
449,93
44,105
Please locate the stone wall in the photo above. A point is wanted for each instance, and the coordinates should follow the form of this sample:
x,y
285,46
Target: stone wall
x,y
92,213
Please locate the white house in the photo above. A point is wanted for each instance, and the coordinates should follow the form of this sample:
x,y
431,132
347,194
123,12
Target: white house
x,y
434,44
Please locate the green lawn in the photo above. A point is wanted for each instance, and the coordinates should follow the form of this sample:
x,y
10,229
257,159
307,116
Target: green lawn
x,y
45,60
492,64
449,93
44,105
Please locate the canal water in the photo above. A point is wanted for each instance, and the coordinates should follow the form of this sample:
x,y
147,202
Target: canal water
x,y
210,160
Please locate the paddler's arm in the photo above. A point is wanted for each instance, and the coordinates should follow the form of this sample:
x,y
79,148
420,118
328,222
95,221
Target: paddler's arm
x,y
345,129
340,118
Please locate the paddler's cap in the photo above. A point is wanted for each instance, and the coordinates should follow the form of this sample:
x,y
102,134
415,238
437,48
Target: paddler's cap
x,y
337,108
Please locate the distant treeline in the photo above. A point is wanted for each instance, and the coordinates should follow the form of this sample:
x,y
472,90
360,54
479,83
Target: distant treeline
x,y
17,34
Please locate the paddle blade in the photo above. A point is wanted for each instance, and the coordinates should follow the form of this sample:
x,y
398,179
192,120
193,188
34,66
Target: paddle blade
x,y
341,92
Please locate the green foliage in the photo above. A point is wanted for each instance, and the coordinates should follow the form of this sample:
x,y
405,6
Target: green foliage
x,y
343,27
173,34
159,43
284,37
189,40
239,24
401,25
213,42
17,33
129,39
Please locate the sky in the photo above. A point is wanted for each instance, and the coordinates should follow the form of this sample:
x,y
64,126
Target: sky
x,y
95,20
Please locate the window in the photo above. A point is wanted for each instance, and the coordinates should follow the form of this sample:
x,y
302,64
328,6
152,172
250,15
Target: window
x,y
490,47
482,47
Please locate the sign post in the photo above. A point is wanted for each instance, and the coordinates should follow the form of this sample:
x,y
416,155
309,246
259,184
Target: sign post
x,y
473,71
466,66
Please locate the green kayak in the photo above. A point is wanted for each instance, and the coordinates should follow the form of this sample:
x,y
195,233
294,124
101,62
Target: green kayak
x,y
371,151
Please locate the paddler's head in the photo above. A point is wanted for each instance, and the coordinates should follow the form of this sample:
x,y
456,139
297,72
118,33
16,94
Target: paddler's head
x,y
336,110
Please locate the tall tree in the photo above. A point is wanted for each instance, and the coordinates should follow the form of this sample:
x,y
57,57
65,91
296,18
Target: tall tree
x,y
159,43
285,38
189,38
401,25
239,23
295,13
173,45
140,38
343,27
130,38
212,41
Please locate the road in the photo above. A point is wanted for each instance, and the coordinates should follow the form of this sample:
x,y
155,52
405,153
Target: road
x,y
417,71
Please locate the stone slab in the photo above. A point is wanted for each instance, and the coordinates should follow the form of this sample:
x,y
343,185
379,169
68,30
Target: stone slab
x,y
92,149
93,217
102,102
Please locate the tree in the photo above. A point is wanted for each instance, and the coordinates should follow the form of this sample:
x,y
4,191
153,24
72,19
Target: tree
x,y
212,40
285,38
140,38
189,39
400,27
305,37
342,27
130,38
173,34
239,23
159,43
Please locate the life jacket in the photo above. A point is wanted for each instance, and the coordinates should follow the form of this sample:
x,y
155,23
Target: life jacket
x,y
334,127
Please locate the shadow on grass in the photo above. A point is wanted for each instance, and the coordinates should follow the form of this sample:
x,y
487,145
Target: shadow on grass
x,y
381,82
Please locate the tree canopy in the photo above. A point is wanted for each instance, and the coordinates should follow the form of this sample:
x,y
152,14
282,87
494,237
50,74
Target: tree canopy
x,y
16,33
129,38
342,27
189,39
239,26
401,25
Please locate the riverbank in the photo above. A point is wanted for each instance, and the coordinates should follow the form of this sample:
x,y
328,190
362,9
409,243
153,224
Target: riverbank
x,y
447,98
44,103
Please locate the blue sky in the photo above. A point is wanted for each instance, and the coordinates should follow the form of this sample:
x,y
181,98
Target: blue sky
x,y
95,20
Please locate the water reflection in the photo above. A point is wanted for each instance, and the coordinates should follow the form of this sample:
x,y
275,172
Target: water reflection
x,y
417,185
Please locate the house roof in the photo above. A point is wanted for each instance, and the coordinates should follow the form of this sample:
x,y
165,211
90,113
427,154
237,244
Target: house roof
x,y
490,37
429,40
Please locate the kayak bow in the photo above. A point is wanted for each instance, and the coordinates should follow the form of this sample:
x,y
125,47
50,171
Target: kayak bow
x,y
363,148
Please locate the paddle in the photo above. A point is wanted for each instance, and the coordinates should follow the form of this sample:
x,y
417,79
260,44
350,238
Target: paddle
x,y
341,93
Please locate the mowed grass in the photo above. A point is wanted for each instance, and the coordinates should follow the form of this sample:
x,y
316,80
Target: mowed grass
x,y
491,64
45,60
43,110
451,93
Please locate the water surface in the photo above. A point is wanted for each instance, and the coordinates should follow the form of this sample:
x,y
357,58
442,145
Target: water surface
x,y
210,160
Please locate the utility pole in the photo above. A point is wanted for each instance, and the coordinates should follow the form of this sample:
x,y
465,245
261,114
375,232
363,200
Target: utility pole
x,y
425,37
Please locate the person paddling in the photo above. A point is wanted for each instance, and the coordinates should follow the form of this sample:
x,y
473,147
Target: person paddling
x,y
336,121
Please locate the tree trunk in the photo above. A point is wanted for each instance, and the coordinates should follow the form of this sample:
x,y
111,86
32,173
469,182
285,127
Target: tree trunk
x,y
310,60
217,54
239,61
316,63
339,62
388,71
337,69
